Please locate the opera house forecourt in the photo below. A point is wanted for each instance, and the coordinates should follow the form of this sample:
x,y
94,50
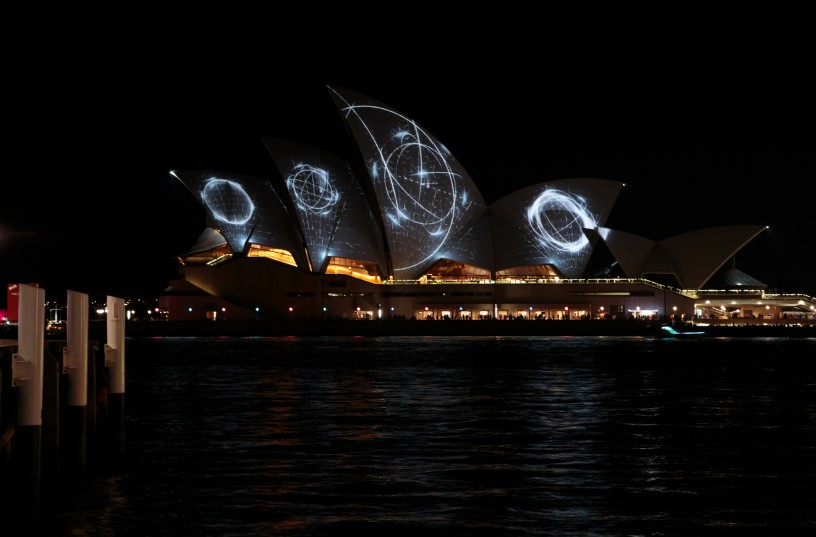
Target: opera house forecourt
x,y
399,231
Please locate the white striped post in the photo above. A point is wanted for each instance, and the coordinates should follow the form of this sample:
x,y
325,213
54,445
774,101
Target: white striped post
x,y
27,376
115,362
75,366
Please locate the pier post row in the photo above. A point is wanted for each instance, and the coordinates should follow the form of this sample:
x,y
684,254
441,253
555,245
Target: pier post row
x,y
61,405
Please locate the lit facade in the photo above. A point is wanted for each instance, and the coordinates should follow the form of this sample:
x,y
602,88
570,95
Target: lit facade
x,y
403,232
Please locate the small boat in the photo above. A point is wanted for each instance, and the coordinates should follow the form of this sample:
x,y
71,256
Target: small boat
x,y
669,331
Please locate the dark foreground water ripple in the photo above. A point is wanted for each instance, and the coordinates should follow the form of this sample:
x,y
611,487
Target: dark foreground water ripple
x,y
434,436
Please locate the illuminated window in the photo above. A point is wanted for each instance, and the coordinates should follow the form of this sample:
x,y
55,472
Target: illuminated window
x,y
356,269
447,270
530,272
275,254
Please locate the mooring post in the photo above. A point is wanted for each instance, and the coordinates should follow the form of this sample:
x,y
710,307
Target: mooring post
x,y
27,375
115,362
75,366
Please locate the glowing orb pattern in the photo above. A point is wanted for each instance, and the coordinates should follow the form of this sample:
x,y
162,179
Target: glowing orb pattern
x,y
312,190
420,185
236,205
227,201
557,220
426,199
332,212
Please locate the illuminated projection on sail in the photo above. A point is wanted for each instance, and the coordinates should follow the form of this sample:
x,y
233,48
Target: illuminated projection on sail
x,y
426,198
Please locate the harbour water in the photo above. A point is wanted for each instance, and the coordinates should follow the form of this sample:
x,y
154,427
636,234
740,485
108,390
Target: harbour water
x,y
462,436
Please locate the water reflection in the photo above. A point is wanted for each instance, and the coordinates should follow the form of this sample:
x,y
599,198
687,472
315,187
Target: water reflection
x,y
460,436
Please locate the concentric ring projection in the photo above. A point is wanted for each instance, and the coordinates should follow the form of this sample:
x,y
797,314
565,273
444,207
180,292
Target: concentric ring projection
x,y
312,190
227,201
557,220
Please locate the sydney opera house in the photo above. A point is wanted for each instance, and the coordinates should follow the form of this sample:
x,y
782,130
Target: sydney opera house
x,y
399,230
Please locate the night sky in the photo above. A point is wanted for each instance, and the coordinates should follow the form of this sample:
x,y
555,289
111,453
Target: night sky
x,y
704,113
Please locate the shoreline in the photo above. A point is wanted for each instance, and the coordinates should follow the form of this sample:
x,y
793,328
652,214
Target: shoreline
x,y
387,328
354,328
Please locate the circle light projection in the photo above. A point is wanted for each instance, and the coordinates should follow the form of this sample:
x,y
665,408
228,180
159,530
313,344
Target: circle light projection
x,y
425,199
411,170
425,195
557,220
227,201
312,190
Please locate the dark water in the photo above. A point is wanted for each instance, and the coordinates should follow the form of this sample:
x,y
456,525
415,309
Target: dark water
x,y
460,436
